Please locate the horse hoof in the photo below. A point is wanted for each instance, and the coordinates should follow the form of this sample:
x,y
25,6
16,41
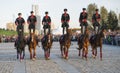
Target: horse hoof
x,y
33,59
93,56
66,58
47,58
21,60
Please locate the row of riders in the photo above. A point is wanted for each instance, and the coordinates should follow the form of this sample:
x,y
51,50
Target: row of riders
x,y
65,39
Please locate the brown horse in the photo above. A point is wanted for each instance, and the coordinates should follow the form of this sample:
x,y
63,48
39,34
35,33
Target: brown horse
x,y
32,43
65,42
96,41
46,45
83,43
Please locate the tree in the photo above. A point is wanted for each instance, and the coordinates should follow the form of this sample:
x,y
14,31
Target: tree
x,y
112,20
104,15
90,10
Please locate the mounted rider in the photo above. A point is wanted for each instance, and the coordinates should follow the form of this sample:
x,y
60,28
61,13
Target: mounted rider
x,y
19,22
46,22
96,21
65,18
32,20
83,20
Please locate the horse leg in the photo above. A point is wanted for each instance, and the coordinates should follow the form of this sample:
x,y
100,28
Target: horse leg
x,y
101,53
30,50
23,53
96,52
34,56
79,51
93,52
66,53
49,52
86,52
83,53
17,54
61,51
46,54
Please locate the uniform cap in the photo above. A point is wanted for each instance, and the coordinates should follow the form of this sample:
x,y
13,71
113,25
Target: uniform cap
x,y
84,8
19,13
31,12
46,12
96,9
65,9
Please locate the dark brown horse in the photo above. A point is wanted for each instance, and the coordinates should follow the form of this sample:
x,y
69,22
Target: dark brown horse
x,y
46,45
32,43
83,43
96,41
65,42
20,44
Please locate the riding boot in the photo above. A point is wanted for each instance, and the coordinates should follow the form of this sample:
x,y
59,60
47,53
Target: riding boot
x,y
63,30
66,29
44,31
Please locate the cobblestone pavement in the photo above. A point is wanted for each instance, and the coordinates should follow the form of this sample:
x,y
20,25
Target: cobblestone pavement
x,y
75,64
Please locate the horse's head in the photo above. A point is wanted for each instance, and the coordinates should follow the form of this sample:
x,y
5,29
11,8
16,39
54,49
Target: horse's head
x,y
49,36
87,32
32,34
69,32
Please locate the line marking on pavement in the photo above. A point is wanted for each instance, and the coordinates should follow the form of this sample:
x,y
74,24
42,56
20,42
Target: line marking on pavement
x,y
64,65
19,67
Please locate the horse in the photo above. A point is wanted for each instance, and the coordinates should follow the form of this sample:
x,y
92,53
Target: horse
x,y
65,42
96,41
83,43
20,44
46,42
32,43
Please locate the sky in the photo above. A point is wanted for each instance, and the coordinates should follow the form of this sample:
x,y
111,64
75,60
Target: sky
x,y
10,9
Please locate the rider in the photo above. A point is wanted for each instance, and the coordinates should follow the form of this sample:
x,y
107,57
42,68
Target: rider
x,y
47,23
20,25
32,20
65,18
83,20
96,21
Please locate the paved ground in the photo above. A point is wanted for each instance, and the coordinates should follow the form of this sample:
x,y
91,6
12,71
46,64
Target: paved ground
x,y
75,64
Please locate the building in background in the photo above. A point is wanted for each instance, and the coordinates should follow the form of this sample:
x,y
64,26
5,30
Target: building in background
x,y
10,26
